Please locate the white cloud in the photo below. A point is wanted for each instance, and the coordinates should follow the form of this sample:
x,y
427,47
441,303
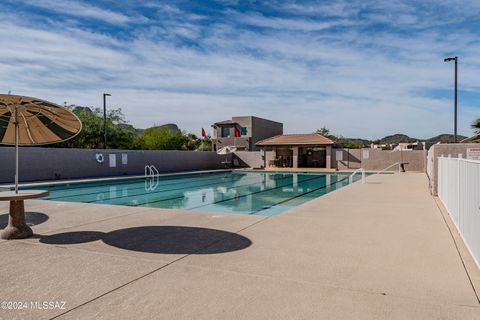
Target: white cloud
x,y
356,83
330,9
78,9
258,20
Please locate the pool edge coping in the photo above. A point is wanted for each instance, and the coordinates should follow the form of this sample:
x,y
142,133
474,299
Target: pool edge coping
x,y
115,178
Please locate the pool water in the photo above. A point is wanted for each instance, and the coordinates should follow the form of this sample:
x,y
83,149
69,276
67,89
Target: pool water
x,y
258,193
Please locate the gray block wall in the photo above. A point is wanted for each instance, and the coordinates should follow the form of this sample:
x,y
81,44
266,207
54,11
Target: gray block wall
x,y
263,129
51,163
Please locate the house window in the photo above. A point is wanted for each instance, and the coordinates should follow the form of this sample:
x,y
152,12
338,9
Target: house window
x,y
225,132
243,131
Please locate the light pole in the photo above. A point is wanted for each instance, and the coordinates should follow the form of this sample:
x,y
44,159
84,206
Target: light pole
x,y
105,95
456,80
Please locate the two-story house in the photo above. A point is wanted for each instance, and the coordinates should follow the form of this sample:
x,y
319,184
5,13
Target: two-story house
x,y
244,132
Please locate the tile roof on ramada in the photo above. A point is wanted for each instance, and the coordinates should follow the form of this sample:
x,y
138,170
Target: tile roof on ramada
x,y
296,139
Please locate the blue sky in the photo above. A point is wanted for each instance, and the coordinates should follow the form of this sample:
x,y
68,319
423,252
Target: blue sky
x,y
362,68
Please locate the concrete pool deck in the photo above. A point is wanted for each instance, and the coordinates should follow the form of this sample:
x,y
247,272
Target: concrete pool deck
x,y
382,250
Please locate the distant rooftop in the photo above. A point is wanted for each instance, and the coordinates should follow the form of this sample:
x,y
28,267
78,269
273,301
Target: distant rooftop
x,y
233,122
224,123
473,138
296,139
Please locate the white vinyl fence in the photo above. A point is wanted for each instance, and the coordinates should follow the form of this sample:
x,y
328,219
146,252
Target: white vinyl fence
x,y
459,190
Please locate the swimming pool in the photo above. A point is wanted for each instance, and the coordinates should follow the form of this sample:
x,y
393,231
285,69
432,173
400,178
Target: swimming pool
x,y
259,193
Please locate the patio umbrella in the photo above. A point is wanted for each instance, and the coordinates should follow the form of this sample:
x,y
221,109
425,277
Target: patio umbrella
x,y
29,121
226,151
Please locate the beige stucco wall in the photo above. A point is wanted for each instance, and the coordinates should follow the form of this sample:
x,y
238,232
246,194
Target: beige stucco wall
x,y
353,159
380,159
350,159
252,159
445,149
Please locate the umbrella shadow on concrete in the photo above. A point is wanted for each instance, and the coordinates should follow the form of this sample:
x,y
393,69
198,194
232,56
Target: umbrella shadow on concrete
x,y
32,219
158,239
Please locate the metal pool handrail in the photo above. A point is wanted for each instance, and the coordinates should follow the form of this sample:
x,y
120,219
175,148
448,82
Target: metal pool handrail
x,y
151,177
151,171
385,169
350,178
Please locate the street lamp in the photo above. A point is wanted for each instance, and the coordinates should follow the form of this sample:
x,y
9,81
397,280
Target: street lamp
x,y
456,77
105,95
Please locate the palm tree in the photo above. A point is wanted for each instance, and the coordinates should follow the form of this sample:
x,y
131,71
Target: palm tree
x,y
476,125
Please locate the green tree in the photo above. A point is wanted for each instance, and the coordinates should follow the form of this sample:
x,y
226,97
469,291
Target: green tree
x,y
120,135
162,139
339,140
476,125
205,144
198,144
192,142
324,131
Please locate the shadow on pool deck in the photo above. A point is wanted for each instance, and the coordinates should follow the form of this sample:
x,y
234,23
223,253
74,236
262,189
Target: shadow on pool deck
x,y
158,239
32,219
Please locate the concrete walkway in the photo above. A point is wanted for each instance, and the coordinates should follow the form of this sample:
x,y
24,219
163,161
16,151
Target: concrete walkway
x,y
376,251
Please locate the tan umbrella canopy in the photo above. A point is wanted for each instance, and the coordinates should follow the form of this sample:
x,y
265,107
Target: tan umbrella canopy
x,y
29,121
226,150
39,122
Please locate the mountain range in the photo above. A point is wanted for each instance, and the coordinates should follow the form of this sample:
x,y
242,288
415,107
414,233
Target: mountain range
x,y
399,138
359,142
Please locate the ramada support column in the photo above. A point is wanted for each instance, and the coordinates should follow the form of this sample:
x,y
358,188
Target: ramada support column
x,y
274,154
295,157
263,152
329,157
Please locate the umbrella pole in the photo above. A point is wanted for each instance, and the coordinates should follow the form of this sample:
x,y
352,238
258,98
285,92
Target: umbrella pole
x,y
16,151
